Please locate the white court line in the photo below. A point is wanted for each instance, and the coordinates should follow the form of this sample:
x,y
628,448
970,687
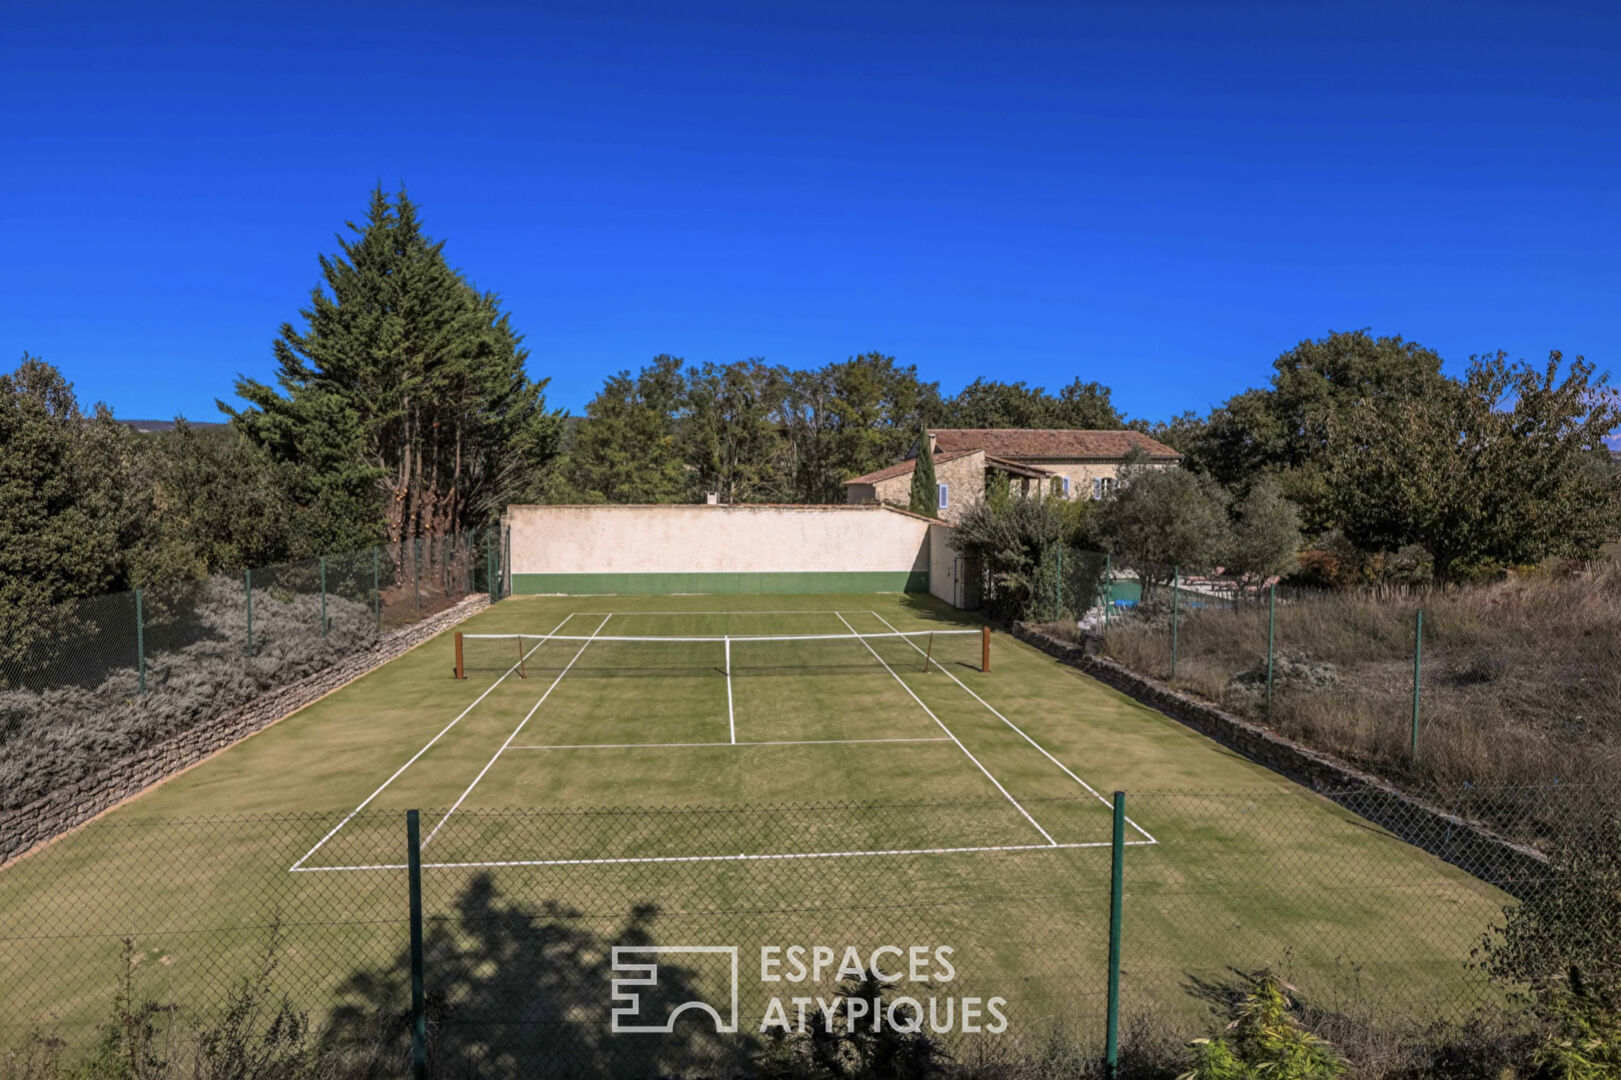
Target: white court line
x,y
731,716
678,745
1021,731
514,735
806,611
426,748
960,746
722,858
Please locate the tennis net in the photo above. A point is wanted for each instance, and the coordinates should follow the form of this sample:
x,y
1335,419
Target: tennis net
x,y
738,655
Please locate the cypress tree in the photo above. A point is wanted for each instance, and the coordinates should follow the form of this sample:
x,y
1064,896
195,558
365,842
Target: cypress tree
x,y
403,406
925,493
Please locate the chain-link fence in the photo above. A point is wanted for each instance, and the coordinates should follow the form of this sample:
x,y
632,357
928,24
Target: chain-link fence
x,y
1499,685
717,940
107,676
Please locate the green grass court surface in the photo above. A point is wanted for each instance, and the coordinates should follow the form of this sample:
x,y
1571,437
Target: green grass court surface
x,y
814,792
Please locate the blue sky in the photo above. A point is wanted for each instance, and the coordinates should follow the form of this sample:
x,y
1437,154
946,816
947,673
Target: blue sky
x,y
1160,197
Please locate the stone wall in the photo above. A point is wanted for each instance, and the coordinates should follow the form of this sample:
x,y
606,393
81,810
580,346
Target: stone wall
x,y
74,804
1469,845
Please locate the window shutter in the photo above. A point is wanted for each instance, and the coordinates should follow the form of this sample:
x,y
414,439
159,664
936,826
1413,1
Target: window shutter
x,y
943,499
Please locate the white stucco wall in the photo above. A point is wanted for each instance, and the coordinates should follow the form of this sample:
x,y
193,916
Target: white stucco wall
x,y
681,543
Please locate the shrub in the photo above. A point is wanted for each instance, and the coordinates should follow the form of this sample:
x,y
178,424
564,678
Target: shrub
x,y
1264,1041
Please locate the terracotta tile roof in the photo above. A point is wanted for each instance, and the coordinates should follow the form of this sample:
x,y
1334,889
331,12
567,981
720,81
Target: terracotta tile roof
x,y
1050,443
901,468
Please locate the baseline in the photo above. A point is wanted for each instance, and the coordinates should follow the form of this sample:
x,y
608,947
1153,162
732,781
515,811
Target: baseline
x,y
764,857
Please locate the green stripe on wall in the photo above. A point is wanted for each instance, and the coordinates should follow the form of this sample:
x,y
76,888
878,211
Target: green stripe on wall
x,y
787,582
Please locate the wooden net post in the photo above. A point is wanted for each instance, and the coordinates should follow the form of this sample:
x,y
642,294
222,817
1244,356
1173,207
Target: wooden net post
x,y
984,648
522,674
461,671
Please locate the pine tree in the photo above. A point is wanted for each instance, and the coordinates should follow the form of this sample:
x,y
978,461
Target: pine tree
x,y
925,493
403,405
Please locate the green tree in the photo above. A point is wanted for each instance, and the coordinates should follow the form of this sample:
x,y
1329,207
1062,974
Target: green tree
x,y
56,541
987,403
1284,430
1506,467
1160,519
925,490
850,418
734,430
221,496
1265,537
403,405
1013,542
627,448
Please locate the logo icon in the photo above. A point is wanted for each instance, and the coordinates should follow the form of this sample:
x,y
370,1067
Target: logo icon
x,y
640,967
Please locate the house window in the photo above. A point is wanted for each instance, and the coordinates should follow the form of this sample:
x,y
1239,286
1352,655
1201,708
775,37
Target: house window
x,y
1055,486
1102,486
944,488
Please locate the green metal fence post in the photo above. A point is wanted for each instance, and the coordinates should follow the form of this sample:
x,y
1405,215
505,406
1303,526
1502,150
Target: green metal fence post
x,y
1117,869
1108,588
1418,666
416,576
377,586
419,1018
1058,586
1271,628
323,596
140,644
1176,605
247,580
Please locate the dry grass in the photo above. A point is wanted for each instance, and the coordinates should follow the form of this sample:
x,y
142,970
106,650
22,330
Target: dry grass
x,y
1521,679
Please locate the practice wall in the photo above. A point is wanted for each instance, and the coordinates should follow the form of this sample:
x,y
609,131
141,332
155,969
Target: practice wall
x,y
717,549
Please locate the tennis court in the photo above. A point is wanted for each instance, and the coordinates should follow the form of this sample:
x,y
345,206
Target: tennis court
x,y
730,772
649,707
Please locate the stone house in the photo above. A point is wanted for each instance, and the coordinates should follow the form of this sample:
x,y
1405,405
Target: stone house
x,y
1038,463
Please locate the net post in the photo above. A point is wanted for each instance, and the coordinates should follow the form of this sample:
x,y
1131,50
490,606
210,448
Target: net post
x,y
728,655
522,674
984,648
461,671
929,655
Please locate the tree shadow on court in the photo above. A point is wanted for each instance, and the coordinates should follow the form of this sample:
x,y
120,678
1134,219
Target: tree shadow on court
x,y
926,608
517,990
